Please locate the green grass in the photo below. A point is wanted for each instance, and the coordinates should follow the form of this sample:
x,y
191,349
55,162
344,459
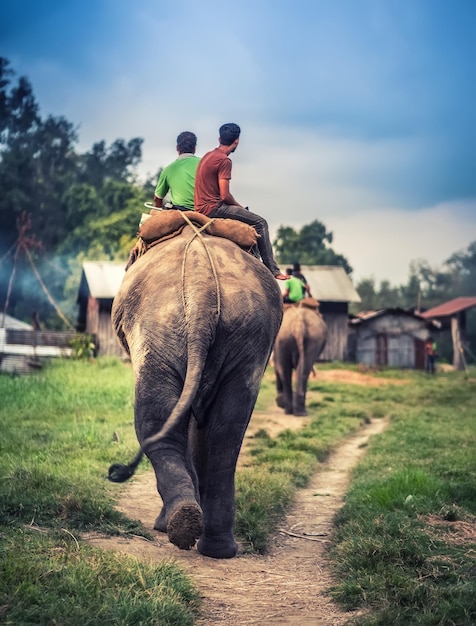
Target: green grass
x,y
52,579
58,441
59,435
399,550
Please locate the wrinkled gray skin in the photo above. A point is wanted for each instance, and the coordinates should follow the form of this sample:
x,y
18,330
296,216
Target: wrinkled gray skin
x,y
199,318
300,341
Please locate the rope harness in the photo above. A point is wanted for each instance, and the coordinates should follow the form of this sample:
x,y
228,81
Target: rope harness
x,y
198,234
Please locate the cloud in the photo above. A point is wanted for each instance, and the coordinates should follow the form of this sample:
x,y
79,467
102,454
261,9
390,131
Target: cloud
x,y
382,244
359,115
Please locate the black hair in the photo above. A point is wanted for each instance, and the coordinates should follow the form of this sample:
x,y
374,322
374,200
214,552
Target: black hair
x,y
186,142
296,266
229,133
289,271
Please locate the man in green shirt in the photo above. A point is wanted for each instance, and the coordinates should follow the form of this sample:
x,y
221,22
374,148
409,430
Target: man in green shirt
x,y
179,176
293,288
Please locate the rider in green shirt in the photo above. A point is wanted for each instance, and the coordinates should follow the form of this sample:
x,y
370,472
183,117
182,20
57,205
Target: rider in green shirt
x,y
179,176
293,288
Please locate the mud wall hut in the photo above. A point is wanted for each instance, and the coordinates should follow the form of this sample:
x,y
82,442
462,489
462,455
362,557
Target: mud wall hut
x,y
390,337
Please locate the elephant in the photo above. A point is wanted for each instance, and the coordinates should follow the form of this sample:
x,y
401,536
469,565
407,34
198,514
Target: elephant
x,y
300,340
198,316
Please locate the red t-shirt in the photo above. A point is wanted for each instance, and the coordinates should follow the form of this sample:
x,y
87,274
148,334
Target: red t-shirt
x,y
213,165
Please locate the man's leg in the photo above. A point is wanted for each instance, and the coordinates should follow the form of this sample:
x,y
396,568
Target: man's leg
x,y
261,226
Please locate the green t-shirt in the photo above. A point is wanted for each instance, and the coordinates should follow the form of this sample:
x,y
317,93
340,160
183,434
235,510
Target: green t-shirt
x,y
295,288
179,179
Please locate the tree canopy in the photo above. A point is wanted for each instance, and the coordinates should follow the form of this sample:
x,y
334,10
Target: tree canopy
x,y
74,202
308,246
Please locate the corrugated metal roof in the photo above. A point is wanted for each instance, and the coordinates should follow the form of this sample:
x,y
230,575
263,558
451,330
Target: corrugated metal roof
x,y
8,321
365,316
452,307
103,278
328,283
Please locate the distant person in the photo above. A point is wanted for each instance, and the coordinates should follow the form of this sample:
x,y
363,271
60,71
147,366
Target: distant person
x,y
430,355
213,196
178,178
298,274
293,291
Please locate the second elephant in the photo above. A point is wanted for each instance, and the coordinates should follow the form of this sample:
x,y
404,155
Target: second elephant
x,y
301,339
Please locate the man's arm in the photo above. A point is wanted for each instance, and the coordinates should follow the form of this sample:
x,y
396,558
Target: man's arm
x,y
225,195
161,189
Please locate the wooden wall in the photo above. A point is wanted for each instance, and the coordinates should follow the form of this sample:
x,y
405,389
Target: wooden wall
x,y
337,329
393,340
98,322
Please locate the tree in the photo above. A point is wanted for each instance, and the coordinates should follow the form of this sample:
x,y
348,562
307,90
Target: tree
x,y
309,246
37,162
108,219
75,202
462,266
114,163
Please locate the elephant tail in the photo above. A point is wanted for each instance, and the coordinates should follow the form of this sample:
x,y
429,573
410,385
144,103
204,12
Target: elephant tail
x,y
299,332
181,411
119,473
202,309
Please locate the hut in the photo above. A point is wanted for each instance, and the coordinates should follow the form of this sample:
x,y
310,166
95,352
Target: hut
x,y
390,337
452,316
334,290
100,281
10,360
24,347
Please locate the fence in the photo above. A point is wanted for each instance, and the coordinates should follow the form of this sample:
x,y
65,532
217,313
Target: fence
x,y
21,351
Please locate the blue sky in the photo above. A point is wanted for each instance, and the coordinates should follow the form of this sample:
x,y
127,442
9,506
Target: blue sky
x,y
358,113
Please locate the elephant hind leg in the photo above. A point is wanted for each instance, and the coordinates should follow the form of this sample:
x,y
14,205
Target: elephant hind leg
x,y
181,516
185,525
161,521
218,547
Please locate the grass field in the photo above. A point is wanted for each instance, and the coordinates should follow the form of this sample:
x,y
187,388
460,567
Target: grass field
x,y
405,542
404,549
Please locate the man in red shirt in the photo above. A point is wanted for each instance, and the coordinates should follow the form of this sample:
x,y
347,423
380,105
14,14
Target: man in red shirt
x,y
213,196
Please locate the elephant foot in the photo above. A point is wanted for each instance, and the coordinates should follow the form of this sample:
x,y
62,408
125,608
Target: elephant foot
x,y
280,401
300,413
288,412
185,525
217,548
161,521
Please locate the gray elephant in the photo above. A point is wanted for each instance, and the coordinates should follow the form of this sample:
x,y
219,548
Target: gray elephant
x,y
300,341
198,316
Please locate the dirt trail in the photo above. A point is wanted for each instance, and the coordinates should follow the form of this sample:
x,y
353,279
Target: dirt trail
x,y
288,586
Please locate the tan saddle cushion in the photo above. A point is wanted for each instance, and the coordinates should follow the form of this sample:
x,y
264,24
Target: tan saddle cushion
x,y
169,223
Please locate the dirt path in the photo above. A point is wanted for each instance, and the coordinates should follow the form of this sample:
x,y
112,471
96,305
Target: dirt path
x,y
288,586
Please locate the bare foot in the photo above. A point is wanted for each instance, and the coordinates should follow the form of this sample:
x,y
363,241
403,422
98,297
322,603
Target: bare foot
x,y
281,277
